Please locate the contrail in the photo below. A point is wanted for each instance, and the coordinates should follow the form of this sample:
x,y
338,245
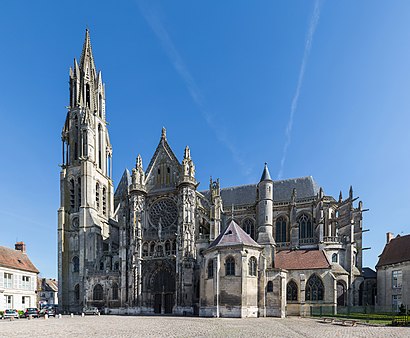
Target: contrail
x,y
160,31
308,45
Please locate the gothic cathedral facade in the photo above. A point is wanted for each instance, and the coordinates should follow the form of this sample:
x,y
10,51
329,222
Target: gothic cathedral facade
x,y
156,244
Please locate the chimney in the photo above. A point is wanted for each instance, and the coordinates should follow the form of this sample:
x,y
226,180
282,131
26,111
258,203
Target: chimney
x,y
20,246
389,237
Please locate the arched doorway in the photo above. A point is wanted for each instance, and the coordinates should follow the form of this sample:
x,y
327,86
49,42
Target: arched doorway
x,y
163,290
341,294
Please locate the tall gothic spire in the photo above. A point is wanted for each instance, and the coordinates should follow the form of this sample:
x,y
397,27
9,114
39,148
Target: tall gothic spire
x,y
87,53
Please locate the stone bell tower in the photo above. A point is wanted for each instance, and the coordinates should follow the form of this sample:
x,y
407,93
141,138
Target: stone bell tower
x,y
85,179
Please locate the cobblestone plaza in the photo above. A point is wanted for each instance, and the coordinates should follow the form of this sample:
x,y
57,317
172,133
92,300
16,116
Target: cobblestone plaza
x,y
159,326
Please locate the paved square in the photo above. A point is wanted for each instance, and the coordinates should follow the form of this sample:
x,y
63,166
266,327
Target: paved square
x,y
153,326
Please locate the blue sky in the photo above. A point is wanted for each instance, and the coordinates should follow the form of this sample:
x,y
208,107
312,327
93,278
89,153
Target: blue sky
x,y
312,88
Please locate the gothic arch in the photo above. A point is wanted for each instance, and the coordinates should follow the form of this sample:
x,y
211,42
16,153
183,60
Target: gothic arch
x,y
292,291
230,266
98,292
282,229
315,289
305,224
248,225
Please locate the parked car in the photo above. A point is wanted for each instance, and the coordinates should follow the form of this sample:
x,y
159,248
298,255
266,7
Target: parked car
x,y
47,310
33,311
10,313
92,310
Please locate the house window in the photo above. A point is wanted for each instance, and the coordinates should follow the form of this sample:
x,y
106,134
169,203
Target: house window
x,y
8,280
292,291
211,268
115,291
98,292
396,278
252,266
9,301
334,258
230,266
396,302
269,287
76,264
314,288
25,282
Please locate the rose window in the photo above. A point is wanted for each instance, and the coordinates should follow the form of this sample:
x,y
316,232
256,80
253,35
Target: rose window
x,y
164,211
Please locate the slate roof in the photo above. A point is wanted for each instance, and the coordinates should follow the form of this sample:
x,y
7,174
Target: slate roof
x,y
369,273
282,191
301,260
396,251
233,235
125,182
15,259
265,175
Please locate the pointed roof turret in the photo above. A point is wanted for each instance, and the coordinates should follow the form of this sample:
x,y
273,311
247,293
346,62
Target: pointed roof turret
x,y
265,174
87,53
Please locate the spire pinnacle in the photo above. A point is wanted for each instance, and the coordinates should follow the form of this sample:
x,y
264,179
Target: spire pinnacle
x,y
265,174
164,133
187,153
87,53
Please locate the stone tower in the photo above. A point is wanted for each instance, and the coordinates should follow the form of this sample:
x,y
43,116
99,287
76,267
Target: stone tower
x,y
265,215
85,180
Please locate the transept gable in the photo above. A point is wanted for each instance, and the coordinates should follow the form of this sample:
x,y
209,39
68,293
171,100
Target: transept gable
x,y
164,168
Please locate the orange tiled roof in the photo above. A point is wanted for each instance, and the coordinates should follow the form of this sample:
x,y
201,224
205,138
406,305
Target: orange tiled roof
x,y
16,259
301,260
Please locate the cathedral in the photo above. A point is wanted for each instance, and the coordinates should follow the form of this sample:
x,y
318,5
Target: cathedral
x,y
156,244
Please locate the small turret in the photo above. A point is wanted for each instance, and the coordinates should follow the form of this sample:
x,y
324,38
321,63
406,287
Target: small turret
x,y
188,167
265,207
138,176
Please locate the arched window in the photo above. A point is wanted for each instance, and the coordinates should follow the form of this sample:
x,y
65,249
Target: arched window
x,y
334,258
98,292
76,264
167,248
281,230
99,146
252,266
249,226
145,249
79,192
104,200
152,249
230,266
100,103
314,288
102,265
115,291
72,195
77,292
75,137
211,268
87,95
305,227
269,287
341,294
97,196
116,266
292,291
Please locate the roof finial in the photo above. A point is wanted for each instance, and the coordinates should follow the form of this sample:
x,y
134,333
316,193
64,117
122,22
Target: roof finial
x,y
164,133
232,211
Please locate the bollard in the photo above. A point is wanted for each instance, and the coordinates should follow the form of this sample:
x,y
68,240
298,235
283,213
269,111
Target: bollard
x,y
30,317
72,315
82,314
60,316
99,313
46,316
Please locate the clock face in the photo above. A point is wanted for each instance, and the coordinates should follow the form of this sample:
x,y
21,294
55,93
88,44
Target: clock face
x,y
163,211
